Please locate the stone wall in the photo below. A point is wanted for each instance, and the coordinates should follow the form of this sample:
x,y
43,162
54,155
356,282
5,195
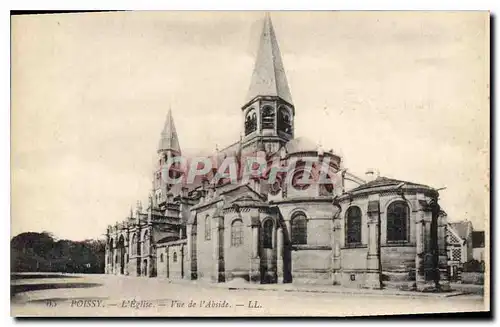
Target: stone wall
x,y
171,260
311,266
236,258
311,262
476,278
205,247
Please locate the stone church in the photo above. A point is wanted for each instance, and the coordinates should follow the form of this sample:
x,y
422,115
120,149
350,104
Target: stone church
x,y
356,232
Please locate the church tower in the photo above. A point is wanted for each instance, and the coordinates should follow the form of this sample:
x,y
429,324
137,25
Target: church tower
x,y
269,111
168,148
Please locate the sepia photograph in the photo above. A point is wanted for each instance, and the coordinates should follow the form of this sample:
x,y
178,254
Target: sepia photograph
x,y
250,163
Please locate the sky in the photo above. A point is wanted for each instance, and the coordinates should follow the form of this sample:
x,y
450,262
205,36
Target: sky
x,y
403,93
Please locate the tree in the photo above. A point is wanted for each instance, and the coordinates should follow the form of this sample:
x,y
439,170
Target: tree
x,y
41,252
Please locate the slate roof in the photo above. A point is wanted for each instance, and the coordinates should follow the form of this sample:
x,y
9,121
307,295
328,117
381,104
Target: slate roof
x,y
462,228
169,139
385,181
170,237
269,78
300,144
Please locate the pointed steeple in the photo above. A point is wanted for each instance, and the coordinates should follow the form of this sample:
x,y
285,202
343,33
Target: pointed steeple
x,y
169,139
269,78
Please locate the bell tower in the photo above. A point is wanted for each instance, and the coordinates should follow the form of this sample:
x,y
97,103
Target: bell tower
x,y
268,113
168,148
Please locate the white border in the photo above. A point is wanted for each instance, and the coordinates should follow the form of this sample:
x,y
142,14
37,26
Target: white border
x,y
491,5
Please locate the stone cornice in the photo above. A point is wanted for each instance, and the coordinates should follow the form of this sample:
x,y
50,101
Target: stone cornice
x,y
326,199
387,190
302,247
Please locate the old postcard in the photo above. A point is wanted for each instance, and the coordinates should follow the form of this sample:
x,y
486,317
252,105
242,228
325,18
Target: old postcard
x,y
250,163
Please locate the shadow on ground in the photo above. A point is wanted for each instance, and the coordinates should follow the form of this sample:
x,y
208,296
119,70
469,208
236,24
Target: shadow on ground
x,y
15,289
33,276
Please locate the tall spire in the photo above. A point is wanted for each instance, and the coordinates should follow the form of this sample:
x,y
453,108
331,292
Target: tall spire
x,y
169,139
269,77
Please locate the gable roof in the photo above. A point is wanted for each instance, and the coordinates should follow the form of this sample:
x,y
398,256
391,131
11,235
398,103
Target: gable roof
x,y
462,228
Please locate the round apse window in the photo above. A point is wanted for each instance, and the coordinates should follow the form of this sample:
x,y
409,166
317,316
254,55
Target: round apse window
x,y
298,180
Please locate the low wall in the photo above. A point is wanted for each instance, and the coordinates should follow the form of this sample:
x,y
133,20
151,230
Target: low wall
x,y
476,278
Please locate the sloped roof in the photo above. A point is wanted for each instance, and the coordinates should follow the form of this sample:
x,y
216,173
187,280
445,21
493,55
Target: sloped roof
x,y
385,181
269,78
171,236
462,228
300,144
169,139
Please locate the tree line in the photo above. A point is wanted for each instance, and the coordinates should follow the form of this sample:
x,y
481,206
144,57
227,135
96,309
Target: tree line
x,y
41,252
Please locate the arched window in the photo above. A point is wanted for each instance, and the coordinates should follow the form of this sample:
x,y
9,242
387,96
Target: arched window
x,y
284,120
158,196
250,122
237,233
299,228
145,243
327,184
398,214
301,179
161,257
174,257
134,244
267,117
353,226
208,228
267,234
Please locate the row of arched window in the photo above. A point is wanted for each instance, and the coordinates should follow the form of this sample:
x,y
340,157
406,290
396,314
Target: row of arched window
x,y
268,120
135,247
298,230
174,257
398,214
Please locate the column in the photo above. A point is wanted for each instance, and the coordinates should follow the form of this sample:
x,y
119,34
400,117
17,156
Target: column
x,y
167,250
279,252
255,241
106,259
444,279
434,246
336,235
254,273
287,255
222,247
113,259
373,273
420,251
189,270
215,250
218,249
193,254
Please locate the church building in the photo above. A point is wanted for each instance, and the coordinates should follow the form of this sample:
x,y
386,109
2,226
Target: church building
x,y
369,232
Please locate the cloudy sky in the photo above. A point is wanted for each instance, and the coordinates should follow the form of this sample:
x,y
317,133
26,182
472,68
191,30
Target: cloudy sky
x,y
404,93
